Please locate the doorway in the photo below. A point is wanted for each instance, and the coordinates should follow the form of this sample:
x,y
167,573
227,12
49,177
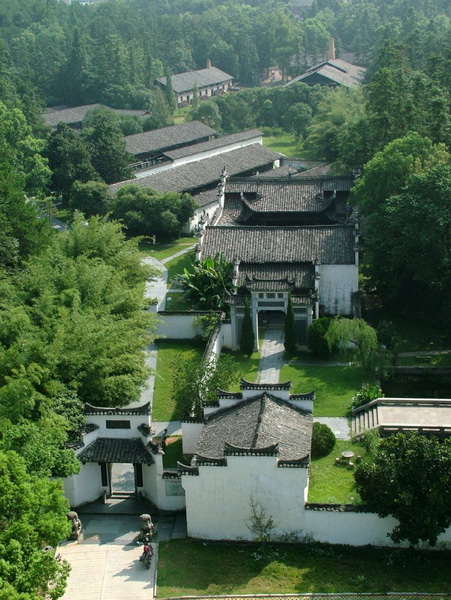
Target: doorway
x,y
122,478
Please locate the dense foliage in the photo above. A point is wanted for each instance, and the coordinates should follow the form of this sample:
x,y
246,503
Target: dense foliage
x,y
247,338
144,211
323,440
209,282
410,479
316,340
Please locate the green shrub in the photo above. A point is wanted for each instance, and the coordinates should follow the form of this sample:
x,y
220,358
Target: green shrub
x,y
315,336
323,440
370,391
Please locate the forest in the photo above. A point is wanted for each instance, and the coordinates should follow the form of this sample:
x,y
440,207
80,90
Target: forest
x,y
72,318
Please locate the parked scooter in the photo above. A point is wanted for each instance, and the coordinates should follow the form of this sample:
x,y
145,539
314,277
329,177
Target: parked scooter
x,y
146,556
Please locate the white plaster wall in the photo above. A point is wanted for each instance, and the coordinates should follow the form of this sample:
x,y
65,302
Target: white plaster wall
x,y
190,436
84,487
355,529
306,405
135,421
204,213
217,501
177,326
337,284
226,332
154,487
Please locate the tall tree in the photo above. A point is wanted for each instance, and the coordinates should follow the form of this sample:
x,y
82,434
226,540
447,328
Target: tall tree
x,y
355,337
410,479
107,149
69,159
247,339
291,335
169,94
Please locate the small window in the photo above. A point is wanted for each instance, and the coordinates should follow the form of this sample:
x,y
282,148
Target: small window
x,y
270,295
118,425
261,295
281,295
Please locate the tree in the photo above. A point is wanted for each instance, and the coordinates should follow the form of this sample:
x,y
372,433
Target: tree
x,y
416,256
208,114
145,211
107,148
20,151
209,282
69,160
355,337
169,92
390,170
22,232
91,198
33,513
197,383
247,339
410,479
291,336
297,119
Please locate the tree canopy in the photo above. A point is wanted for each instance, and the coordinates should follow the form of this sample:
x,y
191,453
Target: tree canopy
x,y
144,211
410,479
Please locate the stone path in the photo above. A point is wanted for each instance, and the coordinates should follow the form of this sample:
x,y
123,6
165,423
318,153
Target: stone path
x,y
271,356
339,425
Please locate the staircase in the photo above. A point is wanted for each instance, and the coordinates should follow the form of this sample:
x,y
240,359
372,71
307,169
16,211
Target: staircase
x,y
364,418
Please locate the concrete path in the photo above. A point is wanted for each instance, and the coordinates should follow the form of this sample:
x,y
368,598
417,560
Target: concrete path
x,y
105,565
156,287
177,254
271,356
339,425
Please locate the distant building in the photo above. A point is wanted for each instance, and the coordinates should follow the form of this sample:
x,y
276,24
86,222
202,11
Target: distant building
x,y
74,115
210,82
332,72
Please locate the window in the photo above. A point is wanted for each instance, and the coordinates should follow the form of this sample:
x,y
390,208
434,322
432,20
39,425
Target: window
x,y
270,295
261,295
118,425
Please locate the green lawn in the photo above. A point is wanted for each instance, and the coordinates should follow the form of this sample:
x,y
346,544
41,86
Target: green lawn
x,y
178,265
197,568
285,144
331,483
177,301
170,353
334,386
173,452
160,251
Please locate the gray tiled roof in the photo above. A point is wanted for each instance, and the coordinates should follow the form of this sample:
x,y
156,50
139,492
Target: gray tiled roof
x,y
220,142
207,197
76,114
116,450
276,276
143,409
258,422
328,244
275,173
185,82
338,71
200,173
167,137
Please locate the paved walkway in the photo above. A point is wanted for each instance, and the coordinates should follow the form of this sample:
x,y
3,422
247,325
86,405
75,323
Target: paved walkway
x,y
339,425
271,356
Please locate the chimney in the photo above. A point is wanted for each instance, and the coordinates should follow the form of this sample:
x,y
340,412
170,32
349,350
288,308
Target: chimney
x,y
208,63
331,55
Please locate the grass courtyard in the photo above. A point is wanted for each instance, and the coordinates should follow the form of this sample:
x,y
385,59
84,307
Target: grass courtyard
x,y
197,568
334,385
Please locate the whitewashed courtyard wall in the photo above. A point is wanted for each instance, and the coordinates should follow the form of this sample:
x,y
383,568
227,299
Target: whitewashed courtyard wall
x,y
178,325
85,486
217,500
354,528
162,490
338,283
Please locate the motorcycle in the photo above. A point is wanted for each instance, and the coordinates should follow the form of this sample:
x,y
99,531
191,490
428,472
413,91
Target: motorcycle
x,y
146,556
